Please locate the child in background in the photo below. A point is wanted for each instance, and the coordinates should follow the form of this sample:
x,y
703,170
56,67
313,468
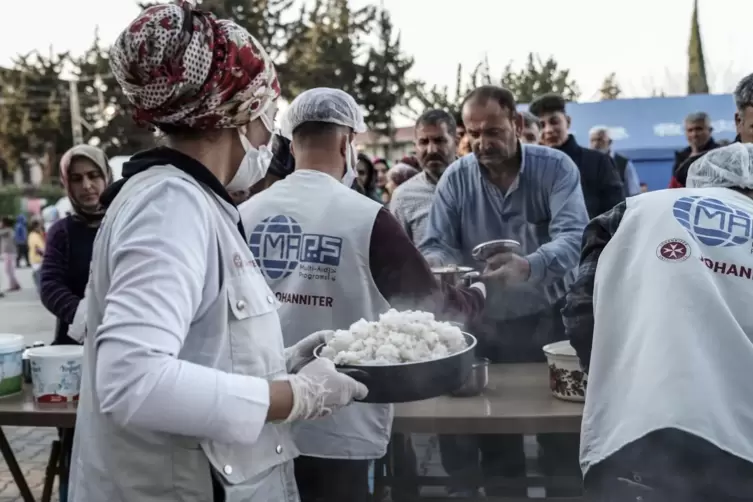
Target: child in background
x,y
36,250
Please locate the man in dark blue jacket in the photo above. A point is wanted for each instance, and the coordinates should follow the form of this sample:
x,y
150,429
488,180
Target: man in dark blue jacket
x,y
601,183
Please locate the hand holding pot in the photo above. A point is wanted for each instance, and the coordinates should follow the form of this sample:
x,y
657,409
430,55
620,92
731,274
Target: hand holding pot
x,y
507,268
319,390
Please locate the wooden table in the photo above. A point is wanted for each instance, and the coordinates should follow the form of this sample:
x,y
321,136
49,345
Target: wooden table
x,y
21,410
517,401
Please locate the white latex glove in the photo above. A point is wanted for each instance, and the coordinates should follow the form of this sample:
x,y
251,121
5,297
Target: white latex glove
x,y
298,355
319,390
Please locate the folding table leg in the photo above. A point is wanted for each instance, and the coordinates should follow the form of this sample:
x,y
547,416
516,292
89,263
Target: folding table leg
x,y
51,471
14,469
66,450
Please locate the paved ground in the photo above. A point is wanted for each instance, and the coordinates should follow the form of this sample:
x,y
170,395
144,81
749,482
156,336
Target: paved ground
x,y
21,313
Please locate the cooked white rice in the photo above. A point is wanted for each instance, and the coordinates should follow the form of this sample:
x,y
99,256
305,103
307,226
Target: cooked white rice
x,y
398,337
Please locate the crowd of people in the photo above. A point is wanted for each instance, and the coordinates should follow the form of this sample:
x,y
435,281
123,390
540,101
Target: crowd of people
x,y
201,282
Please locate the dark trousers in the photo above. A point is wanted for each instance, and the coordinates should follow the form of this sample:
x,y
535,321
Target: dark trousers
x,y
501,458
670,465
22,254
517,340
332,480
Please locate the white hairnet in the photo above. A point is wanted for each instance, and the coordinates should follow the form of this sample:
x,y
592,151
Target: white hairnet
x,y
729,166
323,104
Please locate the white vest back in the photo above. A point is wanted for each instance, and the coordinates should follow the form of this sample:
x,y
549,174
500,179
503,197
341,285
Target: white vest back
x,y
673,326
116,464
311,236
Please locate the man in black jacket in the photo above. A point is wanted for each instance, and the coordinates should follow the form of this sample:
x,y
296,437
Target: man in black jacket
x,y
698,132
743,123
600,141
602,186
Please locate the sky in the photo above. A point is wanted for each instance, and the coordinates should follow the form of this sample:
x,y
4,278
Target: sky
x,y
643,41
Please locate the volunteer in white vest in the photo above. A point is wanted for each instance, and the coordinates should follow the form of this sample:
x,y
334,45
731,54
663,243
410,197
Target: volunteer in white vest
x,y
661,318
332,257
186,392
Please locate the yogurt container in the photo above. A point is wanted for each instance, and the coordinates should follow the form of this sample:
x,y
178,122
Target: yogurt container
x,y
56,373
11,364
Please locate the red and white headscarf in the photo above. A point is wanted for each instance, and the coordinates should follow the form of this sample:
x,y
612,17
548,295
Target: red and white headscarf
x,y
182,67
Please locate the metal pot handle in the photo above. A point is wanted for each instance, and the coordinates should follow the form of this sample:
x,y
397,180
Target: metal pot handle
x,y
470,278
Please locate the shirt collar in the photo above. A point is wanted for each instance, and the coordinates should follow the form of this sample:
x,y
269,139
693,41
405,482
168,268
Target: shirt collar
x,y
167,156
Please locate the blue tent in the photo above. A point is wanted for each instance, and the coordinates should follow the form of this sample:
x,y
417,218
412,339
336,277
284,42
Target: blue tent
x,y
650,130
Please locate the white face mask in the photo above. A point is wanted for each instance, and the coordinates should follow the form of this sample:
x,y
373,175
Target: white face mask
x,y
350,166
255,162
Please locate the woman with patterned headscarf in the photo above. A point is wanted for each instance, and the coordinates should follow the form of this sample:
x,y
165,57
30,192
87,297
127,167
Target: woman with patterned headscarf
x,y
187,392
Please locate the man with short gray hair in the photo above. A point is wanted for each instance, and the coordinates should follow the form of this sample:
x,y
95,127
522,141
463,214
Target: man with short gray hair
x,y
744,114
435,141
600,140
743,123
698,132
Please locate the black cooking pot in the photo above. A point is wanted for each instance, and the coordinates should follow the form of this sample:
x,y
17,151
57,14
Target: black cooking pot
x,y
405,382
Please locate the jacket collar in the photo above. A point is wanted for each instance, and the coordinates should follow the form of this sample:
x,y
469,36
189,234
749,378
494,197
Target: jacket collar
x,y
161,156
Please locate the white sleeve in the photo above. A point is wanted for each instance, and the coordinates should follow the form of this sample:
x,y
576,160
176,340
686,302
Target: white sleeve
x,y
77,329
158,263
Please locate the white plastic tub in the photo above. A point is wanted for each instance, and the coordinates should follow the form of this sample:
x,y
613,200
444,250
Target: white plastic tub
x,y
11,364
566,377
56,373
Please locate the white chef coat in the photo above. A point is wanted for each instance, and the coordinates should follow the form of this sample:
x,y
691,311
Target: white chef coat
x,y
673,332
183,336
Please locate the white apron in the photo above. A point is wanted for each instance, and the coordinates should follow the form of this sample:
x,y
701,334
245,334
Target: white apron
x,y
311,236
239,333
673,329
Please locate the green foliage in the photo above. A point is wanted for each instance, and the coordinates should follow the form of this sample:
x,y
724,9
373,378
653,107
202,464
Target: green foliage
x,y
383,83
539,77
35,114
327,44
323,46
10,196
697,81
423,97
610,88
10,202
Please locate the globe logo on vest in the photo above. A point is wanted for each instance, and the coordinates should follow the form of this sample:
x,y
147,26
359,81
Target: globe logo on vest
x,y
712,222
281,247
